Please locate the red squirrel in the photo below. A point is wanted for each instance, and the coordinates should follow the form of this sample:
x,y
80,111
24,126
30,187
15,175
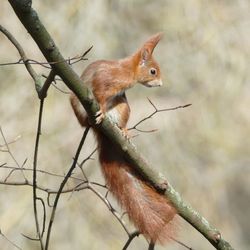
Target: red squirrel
x,y
150,211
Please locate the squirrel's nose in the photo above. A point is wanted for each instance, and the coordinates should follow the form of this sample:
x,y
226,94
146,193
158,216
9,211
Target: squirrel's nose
x,y
160,83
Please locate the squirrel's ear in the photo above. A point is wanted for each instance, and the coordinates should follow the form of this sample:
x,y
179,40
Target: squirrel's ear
x,y
145,55
148,47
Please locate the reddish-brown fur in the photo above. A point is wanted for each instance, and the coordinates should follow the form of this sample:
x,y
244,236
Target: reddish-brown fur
x,y
151,212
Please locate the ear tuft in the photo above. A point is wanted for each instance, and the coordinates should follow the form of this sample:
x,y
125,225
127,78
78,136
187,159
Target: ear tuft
x,y
155,38
148,47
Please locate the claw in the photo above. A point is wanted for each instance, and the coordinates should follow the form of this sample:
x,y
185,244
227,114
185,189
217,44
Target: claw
x,y
125,133
99,117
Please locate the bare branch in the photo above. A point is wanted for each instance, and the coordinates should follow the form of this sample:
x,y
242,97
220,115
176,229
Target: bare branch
x,y
27,61
43,91
156,110
55,84
131,237
46,189
83,185
13,169
181,243
29,238
80,58
47,65
10,142
24,58
103,198
35,198
6,144
40,88
62,186
110,207
44,215
12,243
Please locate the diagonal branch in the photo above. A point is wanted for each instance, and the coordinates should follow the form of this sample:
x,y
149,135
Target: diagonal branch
x,y
30,20
12,243
37,79
74,164
6,144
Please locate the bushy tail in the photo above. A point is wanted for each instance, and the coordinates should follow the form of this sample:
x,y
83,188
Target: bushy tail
x,y
150,211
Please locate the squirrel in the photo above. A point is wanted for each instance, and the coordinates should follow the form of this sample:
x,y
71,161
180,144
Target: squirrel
x,y
151,212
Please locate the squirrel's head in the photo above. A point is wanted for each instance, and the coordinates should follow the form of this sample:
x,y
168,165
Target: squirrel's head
x,y
148,71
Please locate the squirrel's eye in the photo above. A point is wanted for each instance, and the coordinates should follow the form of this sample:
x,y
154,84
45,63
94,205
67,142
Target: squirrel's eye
x,y
153,71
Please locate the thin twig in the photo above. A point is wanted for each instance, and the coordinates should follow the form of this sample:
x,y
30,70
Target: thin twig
x,y
82,57
37,79
84,185
24,58
131,237
42,93
12,243
52,217
6,144
110,207
29,238
54,84
13,170
44,64
39,187
4,165
27,61
44,215
35,198
82,163
181,243
104,198
88,158
156,110
10,142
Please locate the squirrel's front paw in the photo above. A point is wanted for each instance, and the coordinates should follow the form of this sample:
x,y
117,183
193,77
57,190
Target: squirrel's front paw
x,y
99,116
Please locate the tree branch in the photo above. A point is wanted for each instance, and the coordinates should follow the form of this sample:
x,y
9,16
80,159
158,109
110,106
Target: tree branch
x,y
6,144
34,184
31,21
156,110
37,79
62,186
12,243
131,237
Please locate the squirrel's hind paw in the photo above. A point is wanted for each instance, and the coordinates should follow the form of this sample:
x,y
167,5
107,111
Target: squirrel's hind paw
x,y
125,133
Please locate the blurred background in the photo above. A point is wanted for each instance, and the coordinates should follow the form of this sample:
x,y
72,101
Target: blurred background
x,y
203,150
